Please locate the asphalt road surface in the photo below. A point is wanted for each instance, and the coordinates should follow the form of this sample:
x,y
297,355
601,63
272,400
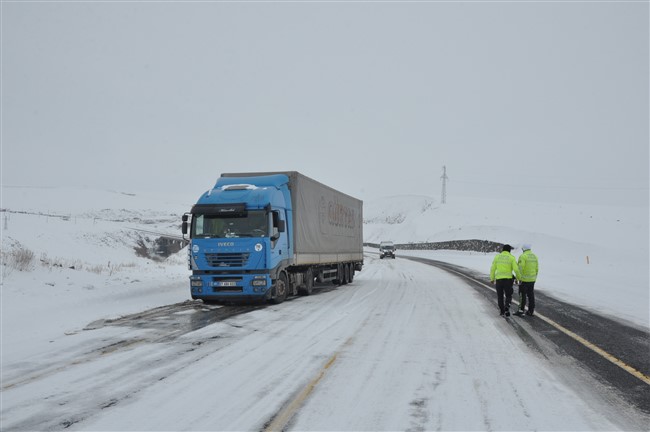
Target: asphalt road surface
x,y
615,353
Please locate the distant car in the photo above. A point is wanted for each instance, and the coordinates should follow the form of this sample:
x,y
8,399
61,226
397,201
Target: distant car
x,y
386,249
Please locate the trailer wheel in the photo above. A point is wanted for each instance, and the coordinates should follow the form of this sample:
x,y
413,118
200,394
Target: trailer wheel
x,y
351,267
309,283
281,286
346,274
340,276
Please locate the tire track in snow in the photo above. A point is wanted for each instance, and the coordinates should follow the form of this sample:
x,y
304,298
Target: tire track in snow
x,y
168,322
134,362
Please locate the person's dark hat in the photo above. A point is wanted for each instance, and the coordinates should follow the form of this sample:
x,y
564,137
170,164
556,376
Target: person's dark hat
x,y
507,247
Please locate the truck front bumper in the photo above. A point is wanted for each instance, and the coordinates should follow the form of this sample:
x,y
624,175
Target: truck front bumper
x,y
230,286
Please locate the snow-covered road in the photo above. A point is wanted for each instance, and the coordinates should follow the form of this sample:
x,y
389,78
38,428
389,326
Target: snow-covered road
x,y
404,347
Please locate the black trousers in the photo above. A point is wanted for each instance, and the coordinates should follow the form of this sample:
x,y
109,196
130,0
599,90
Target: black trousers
x,y
527,291
504,287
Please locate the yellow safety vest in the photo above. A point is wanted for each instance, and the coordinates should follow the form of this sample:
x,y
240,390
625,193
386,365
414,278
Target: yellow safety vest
x,y
503,266
529,266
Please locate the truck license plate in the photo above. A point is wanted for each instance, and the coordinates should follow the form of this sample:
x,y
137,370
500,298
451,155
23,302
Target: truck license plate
x,y
226,284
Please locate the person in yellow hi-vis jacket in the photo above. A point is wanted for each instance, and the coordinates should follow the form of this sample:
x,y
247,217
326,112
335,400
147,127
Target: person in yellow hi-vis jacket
x,y
504,270
529,267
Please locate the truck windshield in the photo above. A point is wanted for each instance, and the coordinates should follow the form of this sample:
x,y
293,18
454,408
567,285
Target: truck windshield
x,y
254,224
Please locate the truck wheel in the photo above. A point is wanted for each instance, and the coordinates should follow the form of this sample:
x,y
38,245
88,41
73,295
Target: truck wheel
x,y
309,283
281,286
351,267
346,274
340,275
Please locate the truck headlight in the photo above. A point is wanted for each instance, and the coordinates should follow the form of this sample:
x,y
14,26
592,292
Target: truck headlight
x,y
196,283
259,281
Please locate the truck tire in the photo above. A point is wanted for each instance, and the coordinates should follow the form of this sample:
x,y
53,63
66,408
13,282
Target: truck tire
x,y
309,283
340,275
346,274
281,289
351,272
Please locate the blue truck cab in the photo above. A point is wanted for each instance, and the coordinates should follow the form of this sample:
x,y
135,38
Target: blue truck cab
x,y
239,234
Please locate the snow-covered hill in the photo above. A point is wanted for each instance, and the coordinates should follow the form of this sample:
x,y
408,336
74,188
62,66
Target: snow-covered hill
x,y
406,219
92,227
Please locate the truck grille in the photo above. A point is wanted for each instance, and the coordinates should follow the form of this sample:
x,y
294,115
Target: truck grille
x,y
235,259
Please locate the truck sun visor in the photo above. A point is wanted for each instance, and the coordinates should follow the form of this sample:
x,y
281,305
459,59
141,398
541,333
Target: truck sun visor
x,y
234,210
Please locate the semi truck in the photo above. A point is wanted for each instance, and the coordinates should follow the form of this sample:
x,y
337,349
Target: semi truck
x,y
265,236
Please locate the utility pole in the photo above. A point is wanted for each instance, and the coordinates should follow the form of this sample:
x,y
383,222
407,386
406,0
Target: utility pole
x,y
444,178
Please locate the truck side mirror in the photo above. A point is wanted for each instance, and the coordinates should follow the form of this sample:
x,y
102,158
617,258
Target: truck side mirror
x,y
184,225
281,226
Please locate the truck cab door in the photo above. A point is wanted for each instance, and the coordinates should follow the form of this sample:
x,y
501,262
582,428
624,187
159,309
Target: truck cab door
x,y
279,252
278,227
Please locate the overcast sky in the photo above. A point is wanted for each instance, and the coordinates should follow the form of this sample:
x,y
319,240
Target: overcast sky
x,y
543,100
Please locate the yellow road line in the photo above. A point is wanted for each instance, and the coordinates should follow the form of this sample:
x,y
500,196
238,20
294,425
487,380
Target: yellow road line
x,y
640,375
607,356
280,421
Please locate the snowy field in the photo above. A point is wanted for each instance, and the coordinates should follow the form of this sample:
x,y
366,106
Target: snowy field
x,y
85,269
96,233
